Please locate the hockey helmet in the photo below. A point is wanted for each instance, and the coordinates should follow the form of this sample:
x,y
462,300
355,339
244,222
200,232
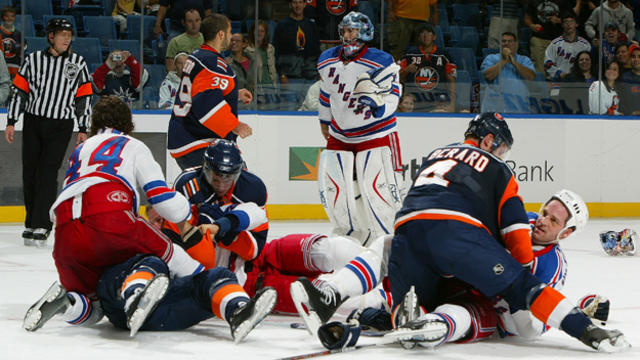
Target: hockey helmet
x,y
490,123
578,212
58,24
361,22
223,159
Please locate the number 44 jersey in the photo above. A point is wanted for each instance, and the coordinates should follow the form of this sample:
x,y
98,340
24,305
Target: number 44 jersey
x,y
462,182
206,106
111,156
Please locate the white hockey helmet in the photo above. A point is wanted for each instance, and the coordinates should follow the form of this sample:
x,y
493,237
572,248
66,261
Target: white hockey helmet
x,y
578,212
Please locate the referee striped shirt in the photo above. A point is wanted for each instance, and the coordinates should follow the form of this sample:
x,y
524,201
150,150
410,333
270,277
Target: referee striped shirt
x,y
54,87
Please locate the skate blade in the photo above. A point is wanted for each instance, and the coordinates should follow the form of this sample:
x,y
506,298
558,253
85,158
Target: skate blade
x,y
430,335
154,292
310,318
617,344
262,308
33,316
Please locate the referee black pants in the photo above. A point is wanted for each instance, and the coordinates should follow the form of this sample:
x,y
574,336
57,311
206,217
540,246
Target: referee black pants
x,y
44,143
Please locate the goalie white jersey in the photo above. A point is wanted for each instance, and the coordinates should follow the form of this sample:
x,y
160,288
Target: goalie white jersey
x,y
113,156
349,121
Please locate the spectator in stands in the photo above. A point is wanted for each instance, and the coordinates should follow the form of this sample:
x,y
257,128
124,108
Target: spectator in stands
x,y
5,82
405,19
610,41
186,42
121,75
151,7
407,103
171,83
508,22
631,84
623,58
603,94
562,51
427,68
574,89
612,11
10,39
543,17
121,10
311,101
175,10
242,62
505,74
297,45
263,52
327,15
583,9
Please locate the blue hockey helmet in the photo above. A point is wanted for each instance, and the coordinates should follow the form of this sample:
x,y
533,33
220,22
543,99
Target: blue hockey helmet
x,y
490,123
360,22
223,159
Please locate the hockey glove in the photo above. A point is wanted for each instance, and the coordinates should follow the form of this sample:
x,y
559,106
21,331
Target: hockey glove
x,y
371,318
336,335
595,307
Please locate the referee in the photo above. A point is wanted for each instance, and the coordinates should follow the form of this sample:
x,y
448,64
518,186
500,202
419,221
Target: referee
x,y
51,89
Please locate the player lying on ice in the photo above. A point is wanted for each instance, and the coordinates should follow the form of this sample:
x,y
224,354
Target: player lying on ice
x,y
468,242
111,261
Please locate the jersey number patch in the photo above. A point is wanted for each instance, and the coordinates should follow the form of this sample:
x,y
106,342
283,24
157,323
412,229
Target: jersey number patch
x,y
107,155
435,173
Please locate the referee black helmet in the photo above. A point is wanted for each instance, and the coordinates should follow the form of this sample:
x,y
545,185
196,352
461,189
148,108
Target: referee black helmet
x,y
57,24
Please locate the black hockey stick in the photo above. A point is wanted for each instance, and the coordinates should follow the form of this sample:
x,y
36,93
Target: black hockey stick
x,y
334,351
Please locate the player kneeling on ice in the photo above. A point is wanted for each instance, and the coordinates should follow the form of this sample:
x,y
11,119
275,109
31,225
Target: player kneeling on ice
x,y
359,94
420,234
111,261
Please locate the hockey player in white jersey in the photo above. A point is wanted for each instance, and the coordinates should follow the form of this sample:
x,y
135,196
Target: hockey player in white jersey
x,y
359,94
469,315
111,260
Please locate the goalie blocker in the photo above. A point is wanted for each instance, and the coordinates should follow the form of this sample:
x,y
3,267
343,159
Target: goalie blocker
x,y
365,211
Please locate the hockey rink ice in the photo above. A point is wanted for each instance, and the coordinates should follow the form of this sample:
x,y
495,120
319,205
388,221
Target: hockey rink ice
x,y
25,273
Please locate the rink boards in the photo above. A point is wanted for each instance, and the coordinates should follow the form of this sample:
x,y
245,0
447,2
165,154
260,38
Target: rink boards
x,y
594,156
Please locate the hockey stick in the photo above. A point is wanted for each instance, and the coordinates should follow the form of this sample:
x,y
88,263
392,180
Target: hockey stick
x,y
334,351
367,333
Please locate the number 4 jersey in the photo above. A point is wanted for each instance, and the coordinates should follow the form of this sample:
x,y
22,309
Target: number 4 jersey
x,y
462,182
206,106
112,156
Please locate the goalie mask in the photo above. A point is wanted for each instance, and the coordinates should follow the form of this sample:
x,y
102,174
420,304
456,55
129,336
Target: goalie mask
x,y
222,165
358,29
578,212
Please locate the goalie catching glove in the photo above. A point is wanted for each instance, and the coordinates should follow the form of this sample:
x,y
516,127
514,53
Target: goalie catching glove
x,y
595,306
373,86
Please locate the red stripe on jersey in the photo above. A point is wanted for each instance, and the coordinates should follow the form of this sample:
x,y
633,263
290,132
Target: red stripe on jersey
x,y
21,83
158,191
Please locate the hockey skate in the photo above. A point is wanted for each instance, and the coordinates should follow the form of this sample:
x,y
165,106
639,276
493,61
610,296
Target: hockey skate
x,y
40,237
248,316
607,341
27,237
406,312
54,301
320,303
427,333
145,302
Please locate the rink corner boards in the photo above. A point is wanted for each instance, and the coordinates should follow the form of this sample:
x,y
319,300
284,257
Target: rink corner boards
x,y
16,214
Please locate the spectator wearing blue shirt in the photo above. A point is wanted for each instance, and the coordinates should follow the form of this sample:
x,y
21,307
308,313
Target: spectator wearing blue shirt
x,y
505,74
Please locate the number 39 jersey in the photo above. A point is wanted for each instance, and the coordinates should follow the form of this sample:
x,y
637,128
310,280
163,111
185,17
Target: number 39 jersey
x,y
462,182
112,156
206,106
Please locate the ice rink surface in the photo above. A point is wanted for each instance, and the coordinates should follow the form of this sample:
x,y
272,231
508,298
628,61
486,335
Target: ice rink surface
x,y
25,273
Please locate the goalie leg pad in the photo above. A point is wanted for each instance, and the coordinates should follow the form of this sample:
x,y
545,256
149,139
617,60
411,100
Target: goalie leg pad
x,y
379,189
337,193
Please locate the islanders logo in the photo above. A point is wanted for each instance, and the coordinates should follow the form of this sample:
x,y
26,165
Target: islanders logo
x,y
427,78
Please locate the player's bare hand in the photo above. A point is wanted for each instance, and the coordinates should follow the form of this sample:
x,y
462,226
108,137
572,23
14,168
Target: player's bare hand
x,y
324,128
245,96
125,55
243,130
82,137
8,133
211,228
157,29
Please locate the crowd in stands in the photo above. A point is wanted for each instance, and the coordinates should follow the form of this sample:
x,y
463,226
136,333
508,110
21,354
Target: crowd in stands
x,y
513,56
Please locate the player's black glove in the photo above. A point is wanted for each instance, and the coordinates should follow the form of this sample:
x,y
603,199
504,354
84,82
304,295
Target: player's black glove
x,y
336,335
371,318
